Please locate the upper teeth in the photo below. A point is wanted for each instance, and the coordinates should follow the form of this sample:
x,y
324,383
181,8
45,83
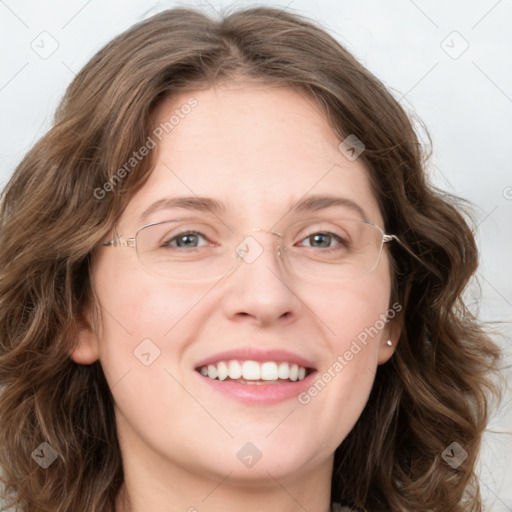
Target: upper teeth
x,y
252,370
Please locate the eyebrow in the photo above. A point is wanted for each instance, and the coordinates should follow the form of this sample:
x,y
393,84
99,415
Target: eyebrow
x,y
197,203
317,202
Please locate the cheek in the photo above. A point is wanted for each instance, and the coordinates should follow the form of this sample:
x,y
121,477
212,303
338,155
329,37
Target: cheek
x,y
353,310
139,315
352,315
140,351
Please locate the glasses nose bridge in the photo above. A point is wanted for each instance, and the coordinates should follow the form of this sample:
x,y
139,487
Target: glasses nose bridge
x,y
277,237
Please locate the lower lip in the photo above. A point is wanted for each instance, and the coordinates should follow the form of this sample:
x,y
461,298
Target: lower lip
x,y
259,393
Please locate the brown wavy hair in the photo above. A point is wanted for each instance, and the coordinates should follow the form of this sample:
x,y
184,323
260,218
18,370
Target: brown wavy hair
x,y
436,389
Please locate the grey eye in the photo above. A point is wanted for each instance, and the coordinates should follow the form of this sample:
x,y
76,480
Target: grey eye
x,y
323,240
185,239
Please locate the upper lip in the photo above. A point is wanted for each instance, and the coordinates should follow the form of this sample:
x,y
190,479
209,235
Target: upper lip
x,y
256,354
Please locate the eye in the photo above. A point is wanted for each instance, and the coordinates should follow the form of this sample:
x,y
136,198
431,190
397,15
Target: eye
x,y
324,240
185,239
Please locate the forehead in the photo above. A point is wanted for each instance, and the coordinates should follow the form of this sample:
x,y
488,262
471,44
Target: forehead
x,y
256,149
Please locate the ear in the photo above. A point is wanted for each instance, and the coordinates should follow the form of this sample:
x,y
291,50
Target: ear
x,y
85,349
392,333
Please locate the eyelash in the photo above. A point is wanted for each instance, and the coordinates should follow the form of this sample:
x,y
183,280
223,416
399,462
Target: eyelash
x,y
334,236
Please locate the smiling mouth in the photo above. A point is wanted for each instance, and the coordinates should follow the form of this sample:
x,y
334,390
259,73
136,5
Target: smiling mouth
x,y
254,372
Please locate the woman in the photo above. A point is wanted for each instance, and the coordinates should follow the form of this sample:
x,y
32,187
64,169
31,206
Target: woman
x,y
226,284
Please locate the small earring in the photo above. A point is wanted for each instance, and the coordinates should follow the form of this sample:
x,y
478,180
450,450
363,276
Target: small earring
x,y
389,343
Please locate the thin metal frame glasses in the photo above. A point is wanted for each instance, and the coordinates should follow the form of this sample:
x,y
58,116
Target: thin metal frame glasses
x,y
354,248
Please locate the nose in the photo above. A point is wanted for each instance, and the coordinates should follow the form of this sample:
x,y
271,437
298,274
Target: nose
x,y
249,249
260,287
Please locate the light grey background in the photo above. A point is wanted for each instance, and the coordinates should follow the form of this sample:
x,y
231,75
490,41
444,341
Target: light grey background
x,y
417,48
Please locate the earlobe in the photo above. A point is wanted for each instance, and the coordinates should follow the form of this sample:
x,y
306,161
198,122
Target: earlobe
x,y
85,349
388,342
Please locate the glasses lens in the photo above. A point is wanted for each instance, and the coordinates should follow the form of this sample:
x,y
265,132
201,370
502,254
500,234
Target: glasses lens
x,y
196,249
334,249
190,249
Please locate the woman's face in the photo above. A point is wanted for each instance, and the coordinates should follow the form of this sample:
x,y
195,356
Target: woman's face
x,y
256,150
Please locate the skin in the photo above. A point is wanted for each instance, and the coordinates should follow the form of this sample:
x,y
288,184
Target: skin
x,y
256,148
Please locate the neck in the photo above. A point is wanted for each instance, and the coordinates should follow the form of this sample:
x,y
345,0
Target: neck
x,y
147,487
126,502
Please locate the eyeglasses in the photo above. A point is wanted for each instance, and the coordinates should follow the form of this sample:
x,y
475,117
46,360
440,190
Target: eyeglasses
x,y
197,249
